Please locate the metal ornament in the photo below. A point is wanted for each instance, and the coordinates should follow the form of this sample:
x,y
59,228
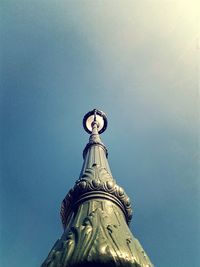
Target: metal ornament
x,y
96,213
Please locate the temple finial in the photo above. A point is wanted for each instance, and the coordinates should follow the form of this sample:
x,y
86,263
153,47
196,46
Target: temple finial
x,y
96,213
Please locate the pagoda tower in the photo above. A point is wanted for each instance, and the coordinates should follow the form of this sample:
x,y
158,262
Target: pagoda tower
x,y
96,213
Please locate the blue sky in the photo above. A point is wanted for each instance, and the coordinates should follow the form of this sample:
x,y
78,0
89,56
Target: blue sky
x,y
138,61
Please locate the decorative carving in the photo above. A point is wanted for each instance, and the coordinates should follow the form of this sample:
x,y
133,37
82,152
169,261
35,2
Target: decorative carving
x,y
98,228
95,181
95,215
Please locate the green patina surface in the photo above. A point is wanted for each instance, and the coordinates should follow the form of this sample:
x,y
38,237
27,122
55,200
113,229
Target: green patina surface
x,y
95,215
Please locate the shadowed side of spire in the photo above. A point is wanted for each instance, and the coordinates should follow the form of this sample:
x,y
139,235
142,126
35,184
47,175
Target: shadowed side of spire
x,y
95,213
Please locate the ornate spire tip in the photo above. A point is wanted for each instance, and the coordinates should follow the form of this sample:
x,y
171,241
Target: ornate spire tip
x,y
97,117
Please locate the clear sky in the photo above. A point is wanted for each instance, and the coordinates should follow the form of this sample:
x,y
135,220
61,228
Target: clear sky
x,y
138,61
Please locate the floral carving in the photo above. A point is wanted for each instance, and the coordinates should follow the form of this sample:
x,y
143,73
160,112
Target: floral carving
x,y
96,180
93,240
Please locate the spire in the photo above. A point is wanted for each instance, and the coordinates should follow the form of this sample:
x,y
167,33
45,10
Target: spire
x,y
96,213
95,152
